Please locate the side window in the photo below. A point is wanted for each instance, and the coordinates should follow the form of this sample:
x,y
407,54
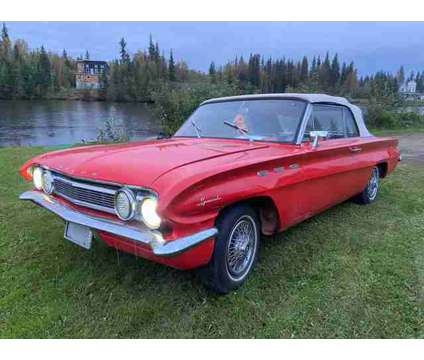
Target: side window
x,y
350,124
327,118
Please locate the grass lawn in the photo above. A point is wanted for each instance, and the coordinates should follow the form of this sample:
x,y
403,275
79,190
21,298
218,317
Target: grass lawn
x,y
353,271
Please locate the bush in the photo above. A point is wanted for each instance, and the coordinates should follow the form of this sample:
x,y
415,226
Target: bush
x,y
379,117
112,132
173,105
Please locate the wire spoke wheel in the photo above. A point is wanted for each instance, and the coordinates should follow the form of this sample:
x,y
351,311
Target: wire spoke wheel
x,y
241,247
372,187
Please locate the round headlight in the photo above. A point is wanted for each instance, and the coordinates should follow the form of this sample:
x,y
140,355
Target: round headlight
x,y
48,182
37,178
149,214
124,204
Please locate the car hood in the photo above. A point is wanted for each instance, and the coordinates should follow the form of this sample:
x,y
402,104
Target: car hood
x,y
140,163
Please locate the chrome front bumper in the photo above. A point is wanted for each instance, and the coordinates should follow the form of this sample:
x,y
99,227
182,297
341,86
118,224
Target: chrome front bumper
x,y
153,238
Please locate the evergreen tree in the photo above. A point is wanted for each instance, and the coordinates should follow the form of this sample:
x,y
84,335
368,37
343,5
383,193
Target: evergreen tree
x,y
44,71
325,73
156,56
152,49
314,65
66,60
254,69
171,67
212,72
125,57
5,42
87,55
335,71
419,80
242,72
401,75
304,71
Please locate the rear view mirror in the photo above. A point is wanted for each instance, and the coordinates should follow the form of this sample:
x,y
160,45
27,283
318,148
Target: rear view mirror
x,y
315,135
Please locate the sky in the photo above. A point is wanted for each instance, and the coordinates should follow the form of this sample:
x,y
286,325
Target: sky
x,y
373,46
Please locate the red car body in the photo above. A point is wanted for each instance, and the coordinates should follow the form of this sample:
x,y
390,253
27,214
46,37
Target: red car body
x,y
196,178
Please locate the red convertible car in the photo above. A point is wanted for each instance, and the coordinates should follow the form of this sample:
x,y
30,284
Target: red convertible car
x,y
238,168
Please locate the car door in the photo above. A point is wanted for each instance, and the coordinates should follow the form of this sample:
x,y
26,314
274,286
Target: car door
x,y
331,171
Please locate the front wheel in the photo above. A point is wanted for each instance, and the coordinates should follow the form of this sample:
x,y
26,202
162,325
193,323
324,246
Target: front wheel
x,y
369,194
236,249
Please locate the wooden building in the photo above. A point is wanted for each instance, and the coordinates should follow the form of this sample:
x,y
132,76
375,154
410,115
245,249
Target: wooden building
x,y
90,74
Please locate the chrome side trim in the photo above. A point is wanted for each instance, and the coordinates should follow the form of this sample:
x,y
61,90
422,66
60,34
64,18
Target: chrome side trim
x,y
140,234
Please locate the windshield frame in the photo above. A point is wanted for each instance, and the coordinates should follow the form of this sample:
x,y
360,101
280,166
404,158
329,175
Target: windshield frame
x,y
295,137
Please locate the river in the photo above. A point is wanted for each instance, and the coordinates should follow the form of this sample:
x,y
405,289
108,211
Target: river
x,y
69,122
52,122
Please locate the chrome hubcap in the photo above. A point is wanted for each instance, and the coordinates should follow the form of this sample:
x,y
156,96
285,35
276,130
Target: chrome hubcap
x,y
241,247
372,187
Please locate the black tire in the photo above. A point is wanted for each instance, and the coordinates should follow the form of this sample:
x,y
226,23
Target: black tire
x,y
369,194
220,275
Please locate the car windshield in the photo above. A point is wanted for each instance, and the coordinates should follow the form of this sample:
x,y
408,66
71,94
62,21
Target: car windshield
x,y
266,120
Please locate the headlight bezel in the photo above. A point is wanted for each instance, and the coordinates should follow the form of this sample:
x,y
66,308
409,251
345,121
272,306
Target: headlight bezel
x,y
38,177
132,203
48,181
146,214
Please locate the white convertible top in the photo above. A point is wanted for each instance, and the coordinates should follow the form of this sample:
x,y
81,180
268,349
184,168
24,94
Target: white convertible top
x,y
310,98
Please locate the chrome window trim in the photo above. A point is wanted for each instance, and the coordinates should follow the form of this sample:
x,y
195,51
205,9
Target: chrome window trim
x,y
355,122
308,113
303,124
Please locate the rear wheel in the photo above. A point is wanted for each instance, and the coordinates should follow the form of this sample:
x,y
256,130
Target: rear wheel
x,y
236,249
369,194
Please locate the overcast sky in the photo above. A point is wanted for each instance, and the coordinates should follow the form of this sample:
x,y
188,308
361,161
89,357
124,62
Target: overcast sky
x,y
371,45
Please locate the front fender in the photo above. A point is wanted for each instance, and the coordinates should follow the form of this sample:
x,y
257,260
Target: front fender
x,y
195,201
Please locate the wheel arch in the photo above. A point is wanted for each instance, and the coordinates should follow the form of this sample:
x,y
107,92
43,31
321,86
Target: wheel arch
x,y
266,209
383,169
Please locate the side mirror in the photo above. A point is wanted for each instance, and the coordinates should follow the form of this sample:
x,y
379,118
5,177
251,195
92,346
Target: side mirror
x,y
163,135
315,135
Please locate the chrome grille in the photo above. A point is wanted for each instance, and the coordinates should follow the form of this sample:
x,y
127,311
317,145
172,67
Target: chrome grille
x,y
81,193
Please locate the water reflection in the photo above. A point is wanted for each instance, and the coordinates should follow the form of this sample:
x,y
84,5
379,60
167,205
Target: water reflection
x,y
69,122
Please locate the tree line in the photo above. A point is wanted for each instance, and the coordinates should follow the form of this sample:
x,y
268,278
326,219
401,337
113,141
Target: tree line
x,y
134,78
26,74
36,73
328,75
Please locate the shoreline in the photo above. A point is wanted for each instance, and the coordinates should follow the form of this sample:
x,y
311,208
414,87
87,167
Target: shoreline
x,y
87,95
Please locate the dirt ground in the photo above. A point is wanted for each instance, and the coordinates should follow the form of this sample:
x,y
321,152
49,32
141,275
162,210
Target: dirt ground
x,y
411,146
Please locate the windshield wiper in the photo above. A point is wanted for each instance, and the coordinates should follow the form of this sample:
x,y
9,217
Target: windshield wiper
x,y
196,128
241,130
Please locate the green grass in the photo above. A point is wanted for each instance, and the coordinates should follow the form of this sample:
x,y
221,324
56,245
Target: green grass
x,y
351,272
403,131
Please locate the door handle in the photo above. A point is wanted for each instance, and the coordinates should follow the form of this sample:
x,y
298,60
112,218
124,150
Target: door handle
x,y
355,149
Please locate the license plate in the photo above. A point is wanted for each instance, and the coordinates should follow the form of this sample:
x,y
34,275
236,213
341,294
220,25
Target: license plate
x,y
78,234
